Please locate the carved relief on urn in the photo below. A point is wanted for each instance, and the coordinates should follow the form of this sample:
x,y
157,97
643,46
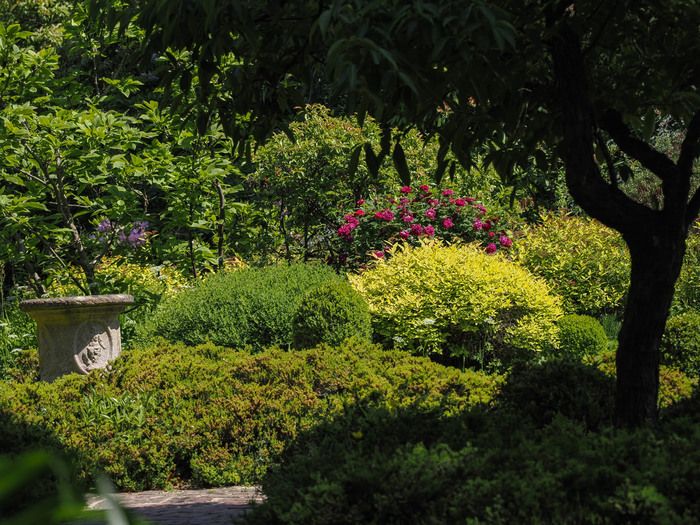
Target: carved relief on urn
x,y
77,334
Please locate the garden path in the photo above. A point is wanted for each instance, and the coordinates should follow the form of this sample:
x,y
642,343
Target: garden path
x,y
186,507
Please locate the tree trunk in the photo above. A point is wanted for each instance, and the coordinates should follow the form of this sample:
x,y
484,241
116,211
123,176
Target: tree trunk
x,y
656,265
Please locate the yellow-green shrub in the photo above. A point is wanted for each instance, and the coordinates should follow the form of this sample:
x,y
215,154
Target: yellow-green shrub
x,y
458,301
584,262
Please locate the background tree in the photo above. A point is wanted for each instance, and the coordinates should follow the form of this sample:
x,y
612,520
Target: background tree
x,y
520,76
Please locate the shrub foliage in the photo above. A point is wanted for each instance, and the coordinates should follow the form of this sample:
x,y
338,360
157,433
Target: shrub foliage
x,y
252,306
331,313
584,262
458,301
581,335
170,415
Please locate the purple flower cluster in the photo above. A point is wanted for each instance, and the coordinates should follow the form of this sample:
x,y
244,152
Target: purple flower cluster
x,y
135,238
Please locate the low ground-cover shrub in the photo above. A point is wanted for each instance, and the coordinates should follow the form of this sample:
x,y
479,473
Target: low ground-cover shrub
x,y
458,301
542,452
680,345
170,415
581,335
251,306
584,262
331,313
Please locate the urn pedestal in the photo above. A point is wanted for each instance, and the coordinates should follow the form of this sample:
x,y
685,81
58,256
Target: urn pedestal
x,y
76,334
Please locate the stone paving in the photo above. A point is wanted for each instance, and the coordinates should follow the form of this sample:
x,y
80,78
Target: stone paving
x,y
186,507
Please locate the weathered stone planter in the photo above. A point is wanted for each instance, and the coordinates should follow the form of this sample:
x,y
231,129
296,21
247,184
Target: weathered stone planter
x,y
77,334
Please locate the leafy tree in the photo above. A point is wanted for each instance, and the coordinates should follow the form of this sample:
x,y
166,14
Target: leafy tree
x,y
523,77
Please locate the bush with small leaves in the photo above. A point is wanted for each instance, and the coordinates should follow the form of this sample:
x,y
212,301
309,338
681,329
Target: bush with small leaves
x,y
251,306
457,301
580,335
680,345
331,313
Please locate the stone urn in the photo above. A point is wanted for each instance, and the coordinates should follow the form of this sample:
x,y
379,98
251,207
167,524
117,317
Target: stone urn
x,y
77,334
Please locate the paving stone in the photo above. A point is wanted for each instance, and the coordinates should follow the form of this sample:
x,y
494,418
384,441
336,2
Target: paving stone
x,y
219,506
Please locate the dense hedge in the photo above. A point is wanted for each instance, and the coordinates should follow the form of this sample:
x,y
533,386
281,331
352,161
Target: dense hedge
x,y
458,301
252,306
171,415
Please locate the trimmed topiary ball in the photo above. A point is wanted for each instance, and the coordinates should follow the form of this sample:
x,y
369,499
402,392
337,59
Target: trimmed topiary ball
x,y
581,335
252,306
680,345
331,313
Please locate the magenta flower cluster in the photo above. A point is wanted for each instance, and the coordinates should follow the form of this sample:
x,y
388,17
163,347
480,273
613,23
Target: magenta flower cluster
x,y
414,214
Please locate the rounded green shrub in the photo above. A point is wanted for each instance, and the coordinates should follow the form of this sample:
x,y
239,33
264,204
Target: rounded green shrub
x,y
680,345
584,262
458,301
331,313
581,335
251,306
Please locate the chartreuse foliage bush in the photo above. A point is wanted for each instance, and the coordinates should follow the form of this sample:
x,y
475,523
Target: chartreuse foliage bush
x,y
584,262
458,301
251,306
331,313
581,335
172,415
680,345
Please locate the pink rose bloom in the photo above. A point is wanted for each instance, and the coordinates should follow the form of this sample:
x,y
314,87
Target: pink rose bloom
x,y
429,230
344,230
469,199
416,229
379,254
505,241
492,234
478,225
491,248
481,208
403,200
360,213
404,234
405,189
447,223
385,215
434,202
424,187
460,202
448,192
430,213
360,202
408,218
487,225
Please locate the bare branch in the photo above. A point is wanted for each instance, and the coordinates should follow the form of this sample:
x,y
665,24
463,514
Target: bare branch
x,y
652,159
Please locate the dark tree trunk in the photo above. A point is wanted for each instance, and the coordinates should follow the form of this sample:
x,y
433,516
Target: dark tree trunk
x,y
656,264
656,238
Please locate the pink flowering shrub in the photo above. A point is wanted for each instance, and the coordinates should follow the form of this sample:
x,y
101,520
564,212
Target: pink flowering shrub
x,y
415,214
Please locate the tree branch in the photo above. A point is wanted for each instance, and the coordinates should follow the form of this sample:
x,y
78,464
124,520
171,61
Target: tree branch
x,y
652,159
690,149
598,198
